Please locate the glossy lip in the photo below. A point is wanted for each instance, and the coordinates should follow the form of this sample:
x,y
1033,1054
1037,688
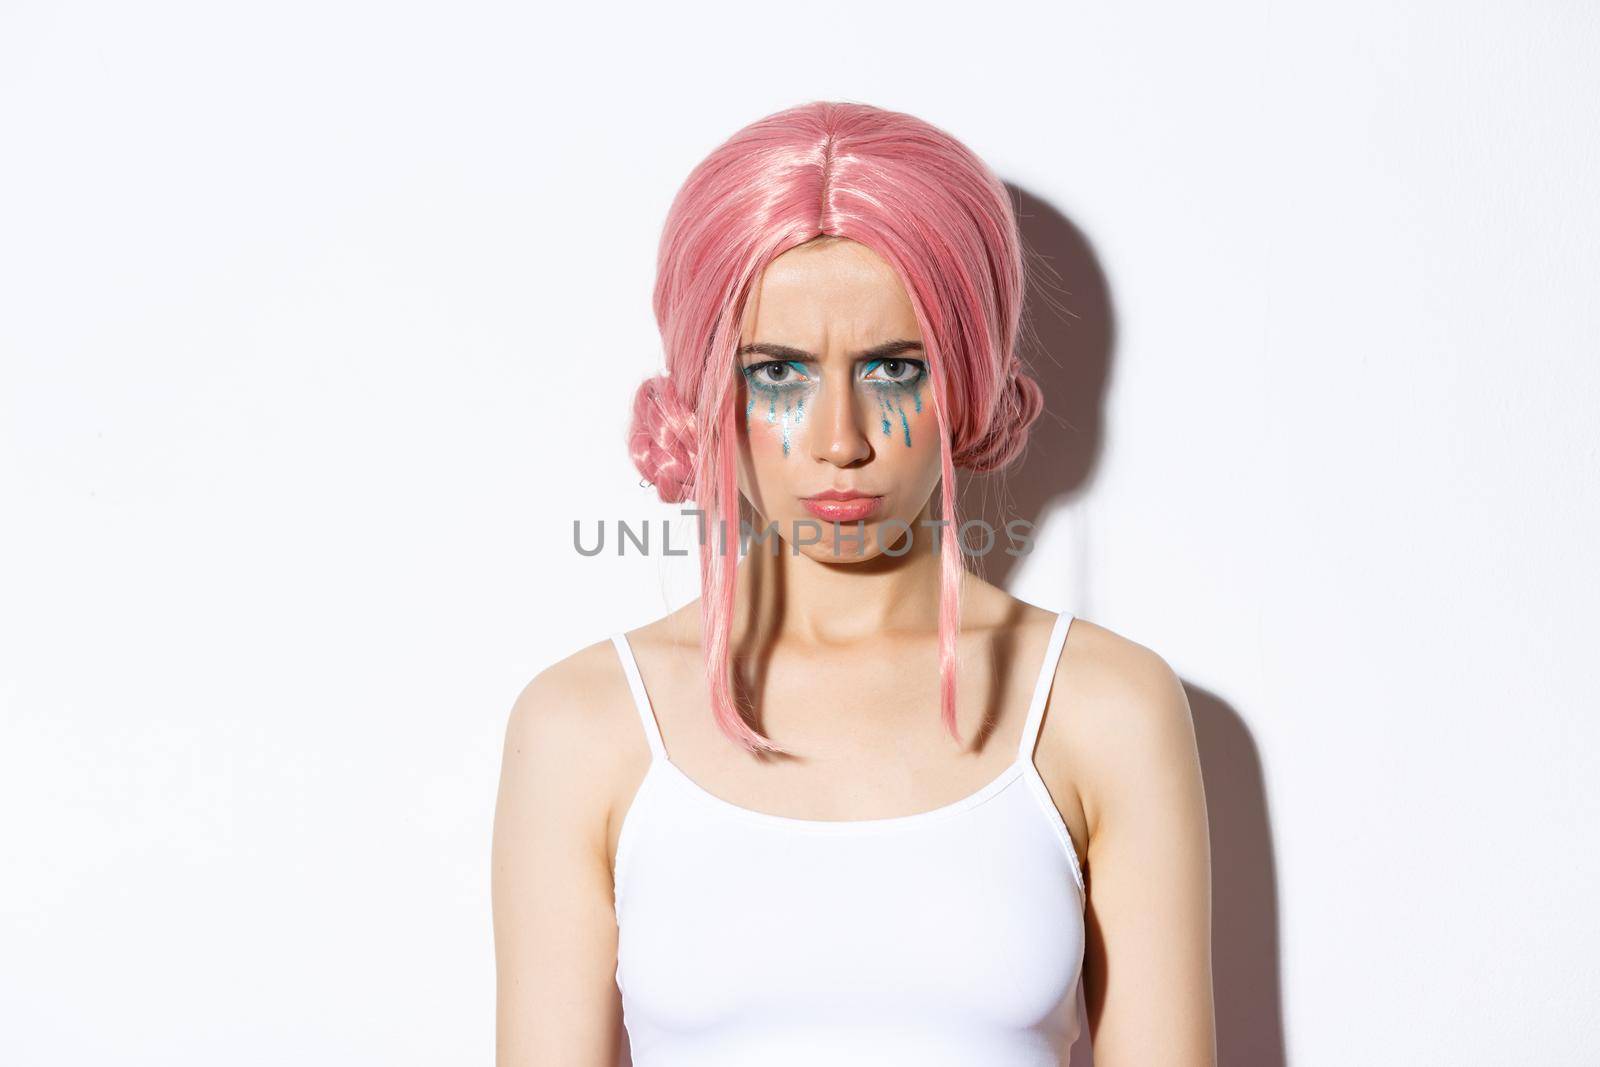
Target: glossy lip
x,y
841,494
840,506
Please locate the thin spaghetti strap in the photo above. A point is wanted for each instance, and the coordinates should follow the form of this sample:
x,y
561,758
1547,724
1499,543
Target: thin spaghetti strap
x,y
1041,688
641,700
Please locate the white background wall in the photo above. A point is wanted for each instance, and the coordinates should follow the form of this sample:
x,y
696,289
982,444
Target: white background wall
x,y
320,326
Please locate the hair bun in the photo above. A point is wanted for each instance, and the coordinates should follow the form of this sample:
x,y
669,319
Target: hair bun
x,y
662,440
1020,403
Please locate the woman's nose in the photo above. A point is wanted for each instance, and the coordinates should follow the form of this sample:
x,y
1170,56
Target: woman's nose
x,y
837,433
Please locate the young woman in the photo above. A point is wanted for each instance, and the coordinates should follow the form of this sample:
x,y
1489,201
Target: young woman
x,y
853,805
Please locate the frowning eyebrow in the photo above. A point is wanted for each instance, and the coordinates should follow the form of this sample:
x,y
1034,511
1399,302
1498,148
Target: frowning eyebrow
x,y
887,350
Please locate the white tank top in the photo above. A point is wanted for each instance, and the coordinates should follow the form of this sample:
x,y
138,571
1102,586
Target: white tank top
x,y
948,937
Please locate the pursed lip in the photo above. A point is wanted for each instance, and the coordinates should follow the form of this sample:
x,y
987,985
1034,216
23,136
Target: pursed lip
x,y
842,494
842,506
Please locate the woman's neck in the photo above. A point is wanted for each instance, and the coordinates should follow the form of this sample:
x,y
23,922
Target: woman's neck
x,y
828,603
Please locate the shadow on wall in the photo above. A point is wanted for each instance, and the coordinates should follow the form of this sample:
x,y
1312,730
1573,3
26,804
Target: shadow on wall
x,y
1068,340
1069,337
1244,886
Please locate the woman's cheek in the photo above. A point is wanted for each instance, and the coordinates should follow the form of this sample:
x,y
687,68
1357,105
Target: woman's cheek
x,y
899,411
773,417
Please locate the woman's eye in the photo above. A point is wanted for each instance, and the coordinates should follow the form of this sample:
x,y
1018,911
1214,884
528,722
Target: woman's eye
x,y
898,371
775,373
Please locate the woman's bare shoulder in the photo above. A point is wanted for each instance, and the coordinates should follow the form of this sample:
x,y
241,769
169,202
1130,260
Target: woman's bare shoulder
x,y
571,731
570,694
1116,682
1121,714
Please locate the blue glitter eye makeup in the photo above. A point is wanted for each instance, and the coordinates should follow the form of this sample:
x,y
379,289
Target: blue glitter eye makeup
x,y
782,385
777,374
903,377
782,382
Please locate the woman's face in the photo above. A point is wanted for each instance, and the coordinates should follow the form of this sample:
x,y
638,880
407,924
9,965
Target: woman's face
x,y
834,395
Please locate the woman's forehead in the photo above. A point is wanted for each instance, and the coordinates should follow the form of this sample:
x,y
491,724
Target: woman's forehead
x,y
837,297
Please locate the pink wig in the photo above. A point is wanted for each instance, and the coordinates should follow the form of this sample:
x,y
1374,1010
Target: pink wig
x,y
938,216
